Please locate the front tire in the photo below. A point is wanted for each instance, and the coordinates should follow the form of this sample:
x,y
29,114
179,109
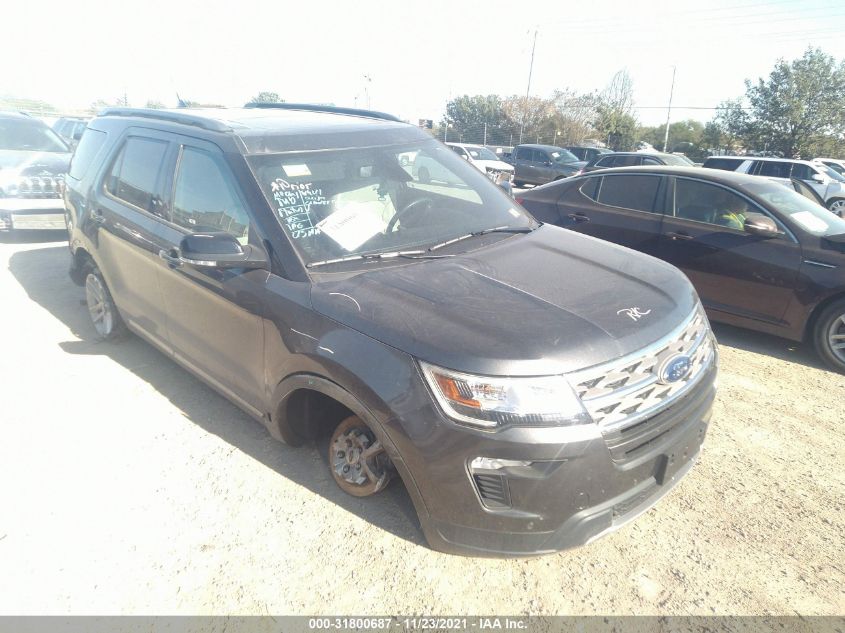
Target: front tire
x,y
101,307
829,335
837,206
357,460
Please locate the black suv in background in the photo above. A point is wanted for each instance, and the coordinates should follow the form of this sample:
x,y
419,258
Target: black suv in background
x,y
587,153
539,164
533,388
762,255
33,162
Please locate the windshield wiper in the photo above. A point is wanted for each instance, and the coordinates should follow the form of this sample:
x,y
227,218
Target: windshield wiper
x,y
421,254
417,254
495,229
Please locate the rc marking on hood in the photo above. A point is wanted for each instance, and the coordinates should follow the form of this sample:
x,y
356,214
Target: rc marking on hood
x,y
635,313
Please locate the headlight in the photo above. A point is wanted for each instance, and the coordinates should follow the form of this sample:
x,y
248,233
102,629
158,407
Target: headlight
x,y
489,402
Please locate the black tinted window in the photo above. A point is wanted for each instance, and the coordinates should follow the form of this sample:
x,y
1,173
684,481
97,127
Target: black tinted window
x,y
726,164
629,192
802,172
607,161
89,146
205,198
705,202
627,161
539,156
134,175
774,169
523,153
650,161
590,187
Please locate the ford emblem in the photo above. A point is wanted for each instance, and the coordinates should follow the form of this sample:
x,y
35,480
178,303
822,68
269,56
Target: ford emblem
x,y
674,368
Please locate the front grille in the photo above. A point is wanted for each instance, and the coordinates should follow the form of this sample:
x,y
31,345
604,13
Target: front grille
x,y
493,490
40,187
619,394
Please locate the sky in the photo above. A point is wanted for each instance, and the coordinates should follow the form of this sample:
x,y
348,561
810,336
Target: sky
x,y
400,57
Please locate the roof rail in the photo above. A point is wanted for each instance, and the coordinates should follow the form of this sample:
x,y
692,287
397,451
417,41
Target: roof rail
x,y
184,118
311,107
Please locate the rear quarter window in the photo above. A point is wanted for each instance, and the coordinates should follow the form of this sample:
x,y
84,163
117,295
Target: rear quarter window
x,y
590,187
725,164
89,147
629,192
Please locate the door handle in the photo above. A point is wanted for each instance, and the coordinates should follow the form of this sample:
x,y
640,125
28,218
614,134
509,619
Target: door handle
x,y
172,260
578,217
98,217
679,236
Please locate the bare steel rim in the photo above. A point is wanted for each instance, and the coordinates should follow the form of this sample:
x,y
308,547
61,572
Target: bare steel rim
x,y
359,463
836,337
99,306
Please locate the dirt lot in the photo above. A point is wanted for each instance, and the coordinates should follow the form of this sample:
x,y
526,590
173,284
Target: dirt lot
x,y
129,487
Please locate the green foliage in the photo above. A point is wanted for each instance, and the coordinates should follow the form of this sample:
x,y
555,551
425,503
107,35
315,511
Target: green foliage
x,y
267,97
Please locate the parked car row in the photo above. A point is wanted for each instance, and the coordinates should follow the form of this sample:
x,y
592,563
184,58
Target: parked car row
x,y
761,255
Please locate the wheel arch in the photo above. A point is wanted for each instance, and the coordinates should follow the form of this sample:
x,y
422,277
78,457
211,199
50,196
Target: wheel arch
x,y
821,306
79,258
310,395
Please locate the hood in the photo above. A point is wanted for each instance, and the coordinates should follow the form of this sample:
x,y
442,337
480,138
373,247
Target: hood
x,y
571,167
25,163
492,164
546,302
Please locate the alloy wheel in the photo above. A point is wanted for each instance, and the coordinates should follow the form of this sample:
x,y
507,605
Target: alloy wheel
x,y
99,305
358,461
836,337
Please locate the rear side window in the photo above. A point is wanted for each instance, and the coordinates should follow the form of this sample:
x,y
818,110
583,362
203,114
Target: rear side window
x,y
725,164
89,146
774,169
205,198
607,161
134,176
629,192
523,153
650,161
627,161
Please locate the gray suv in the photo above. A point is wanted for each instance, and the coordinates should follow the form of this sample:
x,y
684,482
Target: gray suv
x,y
532,388
539,164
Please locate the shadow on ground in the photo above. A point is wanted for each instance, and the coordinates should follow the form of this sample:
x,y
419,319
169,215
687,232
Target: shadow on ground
x,y
42,272
759,343
32,237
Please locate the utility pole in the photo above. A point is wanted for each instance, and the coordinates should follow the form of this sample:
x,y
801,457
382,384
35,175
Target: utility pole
x,y
669,112
528,89
485,133
368,80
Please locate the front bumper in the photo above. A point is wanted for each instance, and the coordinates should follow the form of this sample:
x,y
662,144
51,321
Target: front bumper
x,y
568,490
32,214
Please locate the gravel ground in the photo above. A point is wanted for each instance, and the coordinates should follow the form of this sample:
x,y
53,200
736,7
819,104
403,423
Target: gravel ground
x,y
129,487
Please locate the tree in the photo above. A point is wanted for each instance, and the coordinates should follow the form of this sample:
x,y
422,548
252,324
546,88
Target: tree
x,y
798,105
615,119
530,116
476,119
733,124
267,97
574,116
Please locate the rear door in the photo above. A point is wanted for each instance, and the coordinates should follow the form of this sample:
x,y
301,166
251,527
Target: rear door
x,y
734,272
125,221
620,208
214,314
523,168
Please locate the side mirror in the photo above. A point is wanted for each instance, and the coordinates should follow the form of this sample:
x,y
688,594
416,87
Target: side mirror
x,y
818,178
761,225
220,250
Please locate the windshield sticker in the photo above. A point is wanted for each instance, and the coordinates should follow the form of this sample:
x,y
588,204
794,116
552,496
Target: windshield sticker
x,y
295,201
352,225
293,171
809,221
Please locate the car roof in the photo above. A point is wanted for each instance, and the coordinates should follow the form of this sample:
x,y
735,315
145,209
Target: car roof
x,y
539,146
286,127
649,153
767,159
10,114
716,175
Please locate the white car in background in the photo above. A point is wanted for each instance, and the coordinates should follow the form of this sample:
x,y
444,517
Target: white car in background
x,y
834,163
483,159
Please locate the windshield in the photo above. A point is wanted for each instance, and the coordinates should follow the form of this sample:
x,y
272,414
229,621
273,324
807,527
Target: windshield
x,y
563,156
839,169
674,159
832,173
341,203
29,135
805,213
481,153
